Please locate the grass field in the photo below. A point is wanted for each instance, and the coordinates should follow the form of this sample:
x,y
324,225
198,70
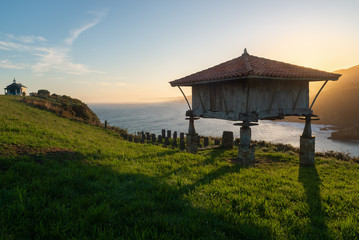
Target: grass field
x,y
62,179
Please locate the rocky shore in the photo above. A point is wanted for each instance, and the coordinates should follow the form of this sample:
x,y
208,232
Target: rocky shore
x,y
350,133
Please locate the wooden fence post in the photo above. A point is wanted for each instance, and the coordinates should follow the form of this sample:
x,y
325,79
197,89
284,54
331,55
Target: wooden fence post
x,y
143,136
205,141
181,136
167,142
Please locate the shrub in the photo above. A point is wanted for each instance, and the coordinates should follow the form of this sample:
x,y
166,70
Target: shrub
x,y
64,106
43,93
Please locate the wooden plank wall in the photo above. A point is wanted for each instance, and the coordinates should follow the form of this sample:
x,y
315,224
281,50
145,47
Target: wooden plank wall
x,y
250,100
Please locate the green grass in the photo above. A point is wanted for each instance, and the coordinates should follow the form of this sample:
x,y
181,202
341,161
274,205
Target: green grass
x,y
62,179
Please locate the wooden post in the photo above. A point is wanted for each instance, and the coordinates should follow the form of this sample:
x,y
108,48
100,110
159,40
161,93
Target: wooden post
x,y
181,136
174,142
159,138
167,142
217,142
182,144
153,136
143,137
205,141
163,133
169,133
105,124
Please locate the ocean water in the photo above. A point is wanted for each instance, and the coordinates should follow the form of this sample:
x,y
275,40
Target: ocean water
x,y
171,116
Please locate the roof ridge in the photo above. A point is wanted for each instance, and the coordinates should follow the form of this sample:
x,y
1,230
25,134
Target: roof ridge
x,y
247,63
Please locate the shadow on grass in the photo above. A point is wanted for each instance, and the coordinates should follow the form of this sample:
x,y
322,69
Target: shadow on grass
x,y
309,177
210,177
215,155
69,198
165,152
211,157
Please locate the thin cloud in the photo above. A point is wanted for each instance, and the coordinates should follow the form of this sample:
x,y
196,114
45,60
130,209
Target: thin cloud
x,y
8,45
9,65
74,34
48,58
59,61
26,39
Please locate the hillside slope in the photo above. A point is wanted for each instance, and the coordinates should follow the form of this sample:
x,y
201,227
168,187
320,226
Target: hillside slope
x,y
338,103
64,106
63,179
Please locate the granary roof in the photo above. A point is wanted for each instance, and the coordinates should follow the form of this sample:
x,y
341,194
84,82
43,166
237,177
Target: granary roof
x,y
248,66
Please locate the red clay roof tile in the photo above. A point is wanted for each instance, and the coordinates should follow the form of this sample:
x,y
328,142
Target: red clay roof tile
x,y
248,66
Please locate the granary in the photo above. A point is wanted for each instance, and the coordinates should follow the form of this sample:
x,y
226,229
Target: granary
x,y
250,88
15,89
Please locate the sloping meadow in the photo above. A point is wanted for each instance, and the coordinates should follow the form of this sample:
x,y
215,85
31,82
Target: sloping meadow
x,y
63,179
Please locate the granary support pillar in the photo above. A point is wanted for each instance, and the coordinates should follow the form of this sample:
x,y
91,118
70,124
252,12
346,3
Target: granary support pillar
x,y
245,148
307,143
192,137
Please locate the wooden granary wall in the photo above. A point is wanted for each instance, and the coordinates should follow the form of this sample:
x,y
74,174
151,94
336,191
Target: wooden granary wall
x,y
251,99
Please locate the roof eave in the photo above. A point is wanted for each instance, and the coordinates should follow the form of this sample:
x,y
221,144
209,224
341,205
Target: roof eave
x,y
174,84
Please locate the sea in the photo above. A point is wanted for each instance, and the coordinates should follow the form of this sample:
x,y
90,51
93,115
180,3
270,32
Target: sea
x,y
153,117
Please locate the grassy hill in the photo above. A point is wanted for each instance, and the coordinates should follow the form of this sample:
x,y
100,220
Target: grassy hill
x,y
338,104
63,106
63,179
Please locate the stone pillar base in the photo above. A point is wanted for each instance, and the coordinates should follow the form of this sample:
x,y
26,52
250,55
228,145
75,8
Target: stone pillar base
x,y
245,155
227,139
307,151
192,143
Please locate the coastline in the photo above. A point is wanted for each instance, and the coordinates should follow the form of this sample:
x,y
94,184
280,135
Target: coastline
x,y
170,116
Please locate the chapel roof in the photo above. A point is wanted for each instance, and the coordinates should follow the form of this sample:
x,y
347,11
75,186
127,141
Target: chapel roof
x,y
15,85
247,66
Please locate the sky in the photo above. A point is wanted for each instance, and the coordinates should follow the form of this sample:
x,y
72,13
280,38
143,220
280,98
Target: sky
x,y
127,51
